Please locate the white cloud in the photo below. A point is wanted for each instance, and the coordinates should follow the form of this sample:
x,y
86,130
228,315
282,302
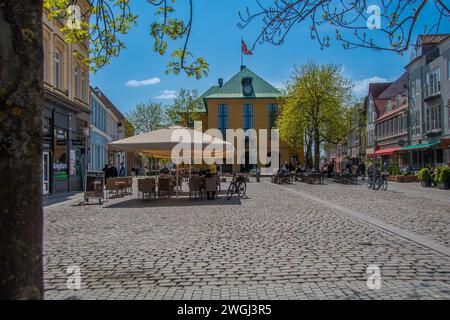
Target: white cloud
x,y
167,95
142,83
361,87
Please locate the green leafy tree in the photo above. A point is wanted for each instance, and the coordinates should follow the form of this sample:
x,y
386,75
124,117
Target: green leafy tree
x,y
106,21
129,129
147,117
316,107
185,108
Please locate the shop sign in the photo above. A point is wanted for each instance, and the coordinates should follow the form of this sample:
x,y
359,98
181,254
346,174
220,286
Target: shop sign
x,y
95,182
78,142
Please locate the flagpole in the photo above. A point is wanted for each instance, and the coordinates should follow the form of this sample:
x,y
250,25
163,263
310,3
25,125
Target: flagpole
x,y
242,52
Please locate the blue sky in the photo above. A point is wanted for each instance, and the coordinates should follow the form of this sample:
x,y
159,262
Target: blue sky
x,y
216,37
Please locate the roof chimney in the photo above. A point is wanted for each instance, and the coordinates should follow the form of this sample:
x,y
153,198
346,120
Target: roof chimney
x,y
220,82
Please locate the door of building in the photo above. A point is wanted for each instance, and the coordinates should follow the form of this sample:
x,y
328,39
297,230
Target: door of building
x,y
46,172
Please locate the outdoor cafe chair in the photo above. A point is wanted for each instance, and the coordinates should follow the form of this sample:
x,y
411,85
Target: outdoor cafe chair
x,y
195,183
112,187
148,187
165,186
211,184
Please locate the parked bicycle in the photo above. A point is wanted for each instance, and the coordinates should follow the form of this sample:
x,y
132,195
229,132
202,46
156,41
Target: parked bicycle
x,y
378,181
237,186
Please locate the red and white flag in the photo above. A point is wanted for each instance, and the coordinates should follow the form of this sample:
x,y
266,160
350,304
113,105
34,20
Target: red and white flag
x,y
245,49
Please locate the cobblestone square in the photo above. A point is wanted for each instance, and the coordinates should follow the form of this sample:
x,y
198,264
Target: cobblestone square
x,y
284,242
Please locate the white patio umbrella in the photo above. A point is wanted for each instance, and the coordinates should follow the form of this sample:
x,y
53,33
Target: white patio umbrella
x,y
160,143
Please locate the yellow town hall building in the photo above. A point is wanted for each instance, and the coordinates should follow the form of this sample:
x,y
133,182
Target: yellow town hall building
x,y
245,102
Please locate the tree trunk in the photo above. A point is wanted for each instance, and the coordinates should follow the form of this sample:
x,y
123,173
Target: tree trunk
x,y
21,137
316,152
309,157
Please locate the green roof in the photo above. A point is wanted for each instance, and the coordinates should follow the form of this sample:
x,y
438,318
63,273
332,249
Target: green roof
x,y
421,146
202,107
233,89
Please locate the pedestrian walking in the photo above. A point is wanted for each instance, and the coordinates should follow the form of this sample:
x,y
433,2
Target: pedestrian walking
x,y
362,170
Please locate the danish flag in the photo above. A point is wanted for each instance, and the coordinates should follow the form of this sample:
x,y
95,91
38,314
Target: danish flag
x,y
245,49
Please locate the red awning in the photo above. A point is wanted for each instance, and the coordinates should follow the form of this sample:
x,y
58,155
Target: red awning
x,y
385,152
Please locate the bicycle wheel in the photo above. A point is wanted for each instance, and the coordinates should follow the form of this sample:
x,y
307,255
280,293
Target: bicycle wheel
x,y
242,189
384,185
377,184
231,190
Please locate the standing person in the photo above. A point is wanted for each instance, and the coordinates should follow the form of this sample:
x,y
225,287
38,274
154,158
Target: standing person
x,y
107,171
372,171
330,170
362,170
114,173
122,170
213,168
349,167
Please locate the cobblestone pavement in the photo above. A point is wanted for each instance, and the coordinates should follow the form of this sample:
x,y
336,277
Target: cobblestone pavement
x,y
407,205
274,245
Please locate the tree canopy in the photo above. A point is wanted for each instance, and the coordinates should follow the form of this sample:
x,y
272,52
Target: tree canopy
x,y
147,117
103,23
316,107
185,108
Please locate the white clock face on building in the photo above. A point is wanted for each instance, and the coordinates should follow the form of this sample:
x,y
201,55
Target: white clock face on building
x,y
248,90
247,86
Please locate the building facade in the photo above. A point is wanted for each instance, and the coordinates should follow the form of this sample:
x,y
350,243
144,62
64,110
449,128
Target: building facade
x,y
65,110
372,106
106,126
245,102
429,101
391,128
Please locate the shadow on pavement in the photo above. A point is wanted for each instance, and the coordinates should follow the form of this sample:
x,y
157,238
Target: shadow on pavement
x,y
174,202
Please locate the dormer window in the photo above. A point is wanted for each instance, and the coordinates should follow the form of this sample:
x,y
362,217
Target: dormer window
x,y
399,101
389,106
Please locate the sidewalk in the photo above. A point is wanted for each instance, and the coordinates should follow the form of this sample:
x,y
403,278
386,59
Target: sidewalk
x,y
61,198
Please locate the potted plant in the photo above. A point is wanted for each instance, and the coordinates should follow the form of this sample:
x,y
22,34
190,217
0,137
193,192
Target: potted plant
x,y
444,178
425,177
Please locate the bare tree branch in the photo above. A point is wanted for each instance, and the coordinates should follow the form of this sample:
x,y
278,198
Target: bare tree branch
x,y
399,22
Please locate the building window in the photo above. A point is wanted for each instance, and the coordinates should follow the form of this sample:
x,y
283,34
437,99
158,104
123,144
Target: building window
x,y
434,82
83,86
396,125
77,81
415,122
434,118
399,101
448,69
248,116
273,115
415,87
223,118
46,62
57,68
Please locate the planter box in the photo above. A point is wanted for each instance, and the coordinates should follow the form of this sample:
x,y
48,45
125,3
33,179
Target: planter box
x,y
403,179
443,186
425,184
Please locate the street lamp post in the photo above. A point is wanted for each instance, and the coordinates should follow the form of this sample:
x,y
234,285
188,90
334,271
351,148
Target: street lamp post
x,y
86,133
